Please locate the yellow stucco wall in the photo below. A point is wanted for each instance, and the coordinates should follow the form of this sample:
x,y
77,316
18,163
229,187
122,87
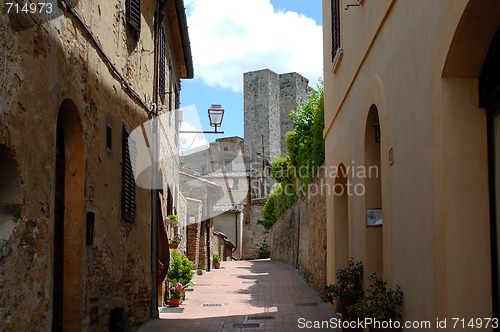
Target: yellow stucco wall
x,y
434,196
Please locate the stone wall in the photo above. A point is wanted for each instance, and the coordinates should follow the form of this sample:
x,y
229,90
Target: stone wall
x,y
63,91
254,234
299,237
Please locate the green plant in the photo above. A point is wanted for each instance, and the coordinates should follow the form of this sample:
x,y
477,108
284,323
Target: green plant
x,y
180,270
381,303
176,240
173,217
264,251
216,258
349,285
176,291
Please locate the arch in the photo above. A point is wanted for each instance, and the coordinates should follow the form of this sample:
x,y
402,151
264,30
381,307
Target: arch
x,y
373,192
69,218
472,39
341,218
11,196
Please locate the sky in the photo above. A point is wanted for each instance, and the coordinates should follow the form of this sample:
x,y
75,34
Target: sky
x,y
231,37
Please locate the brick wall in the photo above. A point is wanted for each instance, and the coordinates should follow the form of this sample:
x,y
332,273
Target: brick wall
x,y
299,237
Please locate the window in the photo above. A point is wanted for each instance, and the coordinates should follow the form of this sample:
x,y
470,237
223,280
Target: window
x,y
335,6
235,184
109,142
162,64
128,181
133,14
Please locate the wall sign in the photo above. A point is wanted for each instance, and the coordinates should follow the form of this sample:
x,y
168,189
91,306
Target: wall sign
x,y
373,217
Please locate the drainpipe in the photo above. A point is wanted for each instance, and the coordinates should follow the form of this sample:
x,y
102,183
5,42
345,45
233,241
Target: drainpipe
x,y
154,169
208,243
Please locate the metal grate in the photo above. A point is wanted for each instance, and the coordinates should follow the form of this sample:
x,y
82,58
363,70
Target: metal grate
x,y
260,317
171,310
250,282
212,305
247,325
306,304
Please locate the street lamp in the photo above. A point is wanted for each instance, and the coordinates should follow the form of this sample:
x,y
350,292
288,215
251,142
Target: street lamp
x,y
215,115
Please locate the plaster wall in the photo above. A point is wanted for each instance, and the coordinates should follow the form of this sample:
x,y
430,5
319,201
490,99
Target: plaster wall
x,y
434,173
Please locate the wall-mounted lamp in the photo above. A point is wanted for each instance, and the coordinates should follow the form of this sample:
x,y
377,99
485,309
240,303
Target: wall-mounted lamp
x,y
377,132
215,115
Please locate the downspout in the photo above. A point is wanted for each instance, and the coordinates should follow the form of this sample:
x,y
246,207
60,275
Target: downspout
x,y
154,197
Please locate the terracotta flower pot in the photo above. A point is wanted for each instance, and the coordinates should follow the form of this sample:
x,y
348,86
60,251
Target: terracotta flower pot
x,y
173,245
347,316
174,302
217,265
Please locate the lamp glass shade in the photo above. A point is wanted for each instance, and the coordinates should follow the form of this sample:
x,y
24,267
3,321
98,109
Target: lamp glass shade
x,y
215,115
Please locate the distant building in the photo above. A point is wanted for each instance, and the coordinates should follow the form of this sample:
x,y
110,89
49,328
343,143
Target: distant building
x,y
222,164
269,98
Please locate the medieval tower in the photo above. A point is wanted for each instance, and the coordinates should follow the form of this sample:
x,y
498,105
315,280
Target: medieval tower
x,y
268,100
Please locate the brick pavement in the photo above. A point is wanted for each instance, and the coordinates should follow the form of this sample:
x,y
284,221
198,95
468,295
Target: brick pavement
x,y
260,295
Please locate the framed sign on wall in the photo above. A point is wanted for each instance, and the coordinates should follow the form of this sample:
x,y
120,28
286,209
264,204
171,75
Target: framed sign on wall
x,y
373,217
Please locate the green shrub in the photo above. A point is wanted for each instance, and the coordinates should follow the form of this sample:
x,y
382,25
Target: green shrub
x,y
180,270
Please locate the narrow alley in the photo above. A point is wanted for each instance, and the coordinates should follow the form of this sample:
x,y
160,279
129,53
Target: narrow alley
x,y
257,295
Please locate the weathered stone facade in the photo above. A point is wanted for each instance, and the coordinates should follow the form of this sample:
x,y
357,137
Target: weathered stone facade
x,y
268,100
299,237
70,87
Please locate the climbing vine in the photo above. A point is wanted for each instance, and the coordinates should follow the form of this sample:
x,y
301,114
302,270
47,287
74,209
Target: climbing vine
x,y
306,153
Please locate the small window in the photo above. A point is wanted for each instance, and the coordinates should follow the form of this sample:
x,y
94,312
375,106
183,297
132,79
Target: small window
x,y
128,181
235,184
335,6
109,137
133,14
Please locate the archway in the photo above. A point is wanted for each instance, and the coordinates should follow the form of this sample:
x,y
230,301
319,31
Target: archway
x,y
68,219
11,195
489,95
373,195
341,219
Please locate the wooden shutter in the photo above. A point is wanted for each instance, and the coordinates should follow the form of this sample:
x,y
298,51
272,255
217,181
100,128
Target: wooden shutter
x,y
162,64
128,181
335,6
133,13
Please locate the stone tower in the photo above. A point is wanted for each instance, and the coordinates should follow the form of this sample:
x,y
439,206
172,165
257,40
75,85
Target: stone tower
x,y
268,99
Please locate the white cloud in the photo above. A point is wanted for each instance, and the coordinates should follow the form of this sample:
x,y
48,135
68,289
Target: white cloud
x,y
231,37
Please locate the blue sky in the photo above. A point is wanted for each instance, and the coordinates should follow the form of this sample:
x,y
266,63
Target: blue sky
x,y
231,37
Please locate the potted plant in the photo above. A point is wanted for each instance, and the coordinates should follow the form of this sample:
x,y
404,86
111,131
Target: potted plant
x,y
175,295
216,260
180,270
173,217
348,290
382,306
174,243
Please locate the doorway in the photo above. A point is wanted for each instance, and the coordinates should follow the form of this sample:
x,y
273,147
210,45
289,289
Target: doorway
x,y
489,96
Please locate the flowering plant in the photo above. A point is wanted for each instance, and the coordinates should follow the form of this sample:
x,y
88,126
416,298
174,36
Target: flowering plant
x,y
176,291
177,239
349,285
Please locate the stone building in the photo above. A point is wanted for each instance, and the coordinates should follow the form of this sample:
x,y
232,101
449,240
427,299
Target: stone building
x,y
269,98
412,93
75,231
223,164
